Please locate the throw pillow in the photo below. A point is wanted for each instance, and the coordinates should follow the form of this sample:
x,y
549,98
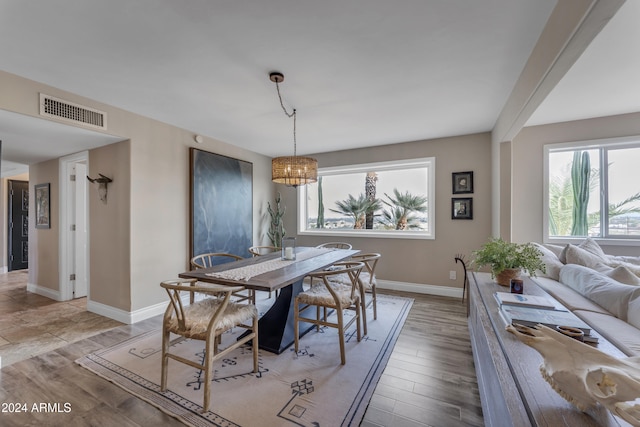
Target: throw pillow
x,y
577,255
563,254
592,246
623,275
604,291
551,262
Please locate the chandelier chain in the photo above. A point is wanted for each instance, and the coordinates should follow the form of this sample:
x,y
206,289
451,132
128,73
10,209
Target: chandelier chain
x,y
292,114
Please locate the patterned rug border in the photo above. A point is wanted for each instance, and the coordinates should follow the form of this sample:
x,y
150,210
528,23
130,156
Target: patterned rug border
x,y
187,411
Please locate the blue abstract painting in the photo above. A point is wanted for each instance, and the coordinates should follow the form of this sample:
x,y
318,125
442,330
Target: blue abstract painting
x,y
221,204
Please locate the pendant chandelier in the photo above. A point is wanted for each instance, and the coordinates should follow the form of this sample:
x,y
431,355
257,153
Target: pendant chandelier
x,y
292,170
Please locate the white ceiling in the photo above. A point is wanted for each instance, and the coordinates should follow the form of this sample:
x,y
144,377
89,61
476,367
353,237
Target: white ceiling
x,y
359,72
605,80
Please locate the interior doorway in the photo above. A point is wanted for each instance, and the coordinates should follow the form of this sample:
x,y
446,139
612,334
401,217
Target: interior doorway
x,y
74,218
18,225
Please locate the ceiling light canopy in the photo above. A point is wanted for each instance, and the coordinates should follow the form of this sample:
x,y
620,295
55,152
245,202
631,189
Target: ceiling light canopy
x,y
292,170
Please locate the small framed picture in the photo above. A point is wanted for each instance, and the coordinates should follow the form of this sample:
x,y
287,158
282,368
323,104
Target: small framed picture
x,y
462,182
462,208
43,207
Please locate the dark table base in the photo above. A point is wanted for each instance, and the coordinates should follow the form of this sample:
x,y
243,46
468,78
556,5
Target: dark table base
x,y
276,328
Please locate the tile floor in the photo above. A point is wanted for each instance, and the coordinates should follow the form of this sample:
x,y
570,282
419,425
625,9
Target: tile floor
x,y
31,324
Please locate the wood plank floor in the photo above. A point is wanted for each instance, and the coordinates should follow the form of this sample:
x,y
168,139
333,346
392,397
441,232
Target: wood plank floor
x,y
429,380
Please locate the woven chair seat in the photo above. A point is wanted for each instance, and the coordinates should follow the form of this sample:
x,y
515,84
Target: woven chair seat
x,y
199,314
319,295
195,321
364,278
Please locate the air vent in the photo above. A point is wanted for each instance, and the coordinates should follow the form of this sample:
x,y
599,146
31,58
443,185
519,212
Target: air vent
x,y
72,113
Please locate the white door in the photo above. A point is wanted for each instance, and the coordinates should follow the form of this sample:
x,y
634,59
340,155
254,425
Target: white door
x,y
80,237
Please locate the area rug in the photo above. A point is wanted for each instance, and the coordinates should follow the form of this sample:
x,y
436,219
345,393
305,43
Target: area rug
x,y
307,388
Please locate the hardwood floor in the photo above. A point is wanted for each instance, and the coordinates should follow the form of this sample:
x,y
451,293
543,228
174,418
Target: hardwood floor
x,y
429,380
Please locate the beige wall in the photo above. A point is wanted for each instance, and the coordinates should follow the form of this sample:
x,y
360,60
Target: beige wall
x,y
527,166
43,242
422,261
505,191
141,236
109,226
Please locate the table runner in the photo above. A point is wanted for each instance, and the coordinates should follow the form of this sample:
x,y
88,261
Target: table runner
x,y
247,272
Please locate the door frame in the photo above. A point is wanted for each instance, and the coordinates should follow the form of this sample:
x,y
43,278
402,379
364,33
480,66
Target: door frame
x,y
66,239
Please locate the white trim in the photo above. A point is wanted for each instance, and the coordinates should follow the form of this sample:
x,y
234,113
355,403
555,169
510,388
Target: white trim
x,y
4,269
420,288
428,162
606,143
65,165
45,292
390,234
130,317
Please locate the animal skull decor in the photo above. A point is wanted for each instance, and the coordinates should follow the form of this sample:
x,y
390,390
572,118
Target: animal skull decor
x,y
584,375
102,186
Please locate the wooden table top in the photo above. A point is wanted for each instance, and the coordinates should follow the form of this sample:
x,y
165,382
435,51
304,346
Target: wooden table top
x,y
275,279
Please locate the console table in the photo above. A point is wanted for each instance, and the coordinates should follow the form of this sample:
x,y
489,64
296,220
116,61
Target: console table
x,y
512,390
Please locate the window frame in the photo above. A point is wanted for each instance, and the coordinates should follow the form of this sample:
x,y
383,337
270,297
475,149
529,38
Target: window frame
x,y
428,162
605,144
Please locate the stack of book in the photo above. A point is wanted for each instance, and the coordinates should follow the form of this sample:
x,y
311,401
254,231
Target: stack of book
x,y
531,310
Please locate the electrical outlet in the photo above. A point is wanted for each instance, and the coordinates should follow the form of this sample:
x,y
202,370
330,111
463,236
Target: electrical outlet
x,y
452,275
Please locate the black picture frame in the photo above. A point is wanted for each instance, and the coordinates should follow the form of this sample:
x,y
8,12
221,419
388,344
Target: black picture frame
x,y
43,205
462,182
221,204
461,208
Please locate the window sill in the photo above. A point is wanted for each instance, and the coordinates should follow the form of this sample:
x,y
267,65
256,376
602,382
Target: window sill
x,y
370,234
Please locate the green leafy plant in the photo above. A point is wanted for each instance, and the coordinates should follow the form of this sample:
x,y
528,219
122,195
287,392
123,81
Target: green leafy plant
x,y
276,226
501,255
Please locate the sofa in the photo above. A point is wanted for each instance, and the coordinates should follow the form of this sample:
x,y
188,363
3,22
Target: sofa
x,y
603,290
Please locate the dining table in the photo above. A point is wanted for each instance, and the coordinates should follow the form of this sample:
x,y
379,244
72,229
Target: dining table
x,y
276,328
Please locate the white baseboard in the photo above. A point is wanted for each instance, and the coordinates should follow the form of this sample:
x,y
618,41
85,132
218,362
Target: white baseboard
x,y
419,288
123,316
130,317
45,292
4,269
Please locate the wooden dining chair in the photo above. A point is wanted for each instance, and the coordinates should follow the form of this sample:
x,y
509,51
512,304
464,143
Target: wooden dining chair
x,y
262,250
366,284
336,245
327,295
205,320
214,258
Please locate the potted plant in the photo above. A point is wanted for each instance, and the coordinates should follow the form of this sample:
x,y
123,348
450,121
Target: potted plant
x,y
507,260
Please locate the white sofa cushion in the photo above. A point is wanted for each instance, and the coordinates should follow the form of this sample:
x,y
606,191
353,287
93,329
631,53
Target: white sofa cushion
x,y
556,249
604,291
567,296
633,316
551,262
621,334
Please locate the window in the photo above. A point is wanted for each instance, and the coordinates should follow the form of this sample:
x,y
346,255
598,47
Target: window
x,y
388,199
593,189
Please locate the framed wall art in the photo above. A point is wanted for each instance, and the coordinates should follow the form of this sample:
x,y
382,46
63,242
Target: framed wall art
x,y
462,208
43,205
462,182
221,204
